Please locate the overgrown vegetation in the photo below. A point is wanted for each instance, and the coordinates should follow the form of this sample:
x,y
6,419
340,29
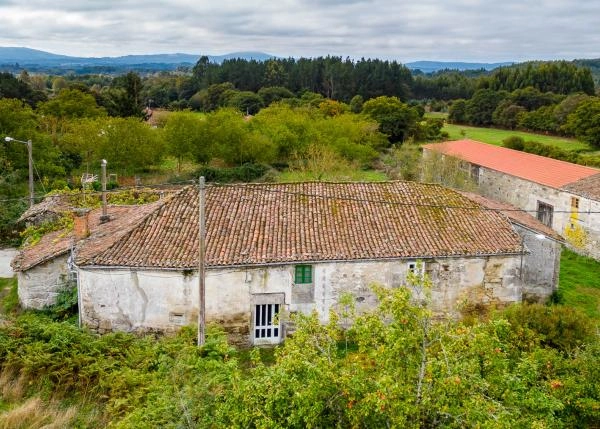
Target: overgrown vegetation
x,y
393,366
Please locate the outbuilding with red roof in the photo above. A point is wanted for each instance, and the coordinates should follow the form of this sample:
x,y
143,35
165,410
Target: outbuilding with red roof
x,y
562,195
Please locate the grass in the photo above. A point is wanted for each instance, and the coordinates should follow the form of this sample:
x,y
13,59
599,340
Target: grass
x,y
9,300
579,283
495,136
437,115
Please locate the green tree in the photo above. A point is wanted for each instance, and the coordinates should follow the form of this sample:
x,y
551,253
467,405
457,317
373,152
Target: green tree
x,y
395,118
246,102
272,94
356,104
507,114
457,113
182,134
130,145
124,97
584,122
482,105
71,103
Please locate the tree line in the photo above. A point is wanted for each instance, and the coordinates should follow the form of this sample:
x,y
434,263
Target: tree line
x,y
72,132
331,77
529,109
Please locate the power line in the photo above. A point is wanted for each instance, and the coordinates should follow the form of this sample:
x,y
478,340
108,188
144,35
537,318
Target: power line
x,y
310,195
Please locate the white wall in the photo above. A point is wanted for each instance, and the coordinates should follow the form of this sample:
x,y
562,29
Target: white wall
x,y
164,300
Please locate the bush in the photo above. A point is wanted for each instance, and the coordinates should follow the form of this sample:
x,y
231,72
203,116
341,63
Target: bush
x,y
562,328
514,142
517,143
66,306
97,186
244,173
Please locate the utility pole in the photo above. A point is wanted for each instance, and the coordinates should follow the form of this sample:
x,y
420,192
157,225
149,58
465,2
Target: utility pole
x,y
30,159
201,267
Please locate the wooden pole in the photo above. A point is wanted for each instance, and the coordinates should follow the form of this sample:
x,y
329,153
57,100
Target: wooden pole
x,y
201,268
30,159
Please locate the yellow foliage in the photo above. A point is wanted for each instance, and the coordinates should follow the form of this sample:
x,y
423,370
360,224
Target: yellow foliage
x,y
576,235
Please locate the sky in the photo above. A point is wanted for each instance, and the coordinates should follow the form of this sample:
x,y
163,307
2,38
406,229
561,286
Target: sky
x,y
442,30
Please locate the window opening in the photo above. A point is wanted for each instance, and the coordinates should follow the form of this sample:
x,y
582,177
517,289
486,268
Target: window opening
x,y
303,274
265,316
545,213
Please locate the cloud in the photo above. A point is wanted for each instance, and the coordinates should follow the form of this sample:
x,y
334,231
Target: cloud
x,y
476,30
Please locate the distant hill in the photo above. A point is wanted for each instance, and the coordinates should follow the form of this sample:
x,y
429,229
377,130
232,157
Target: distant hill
x,y
34,59
433,66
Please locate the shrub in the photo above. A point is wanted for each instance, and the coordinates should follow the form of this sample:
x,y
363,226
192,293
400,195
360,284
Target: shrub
x,y
244,173
562,328
514,142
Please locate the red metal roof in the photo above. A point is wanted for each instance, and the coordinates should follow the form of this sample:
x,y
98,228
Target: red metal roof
x,y
535,168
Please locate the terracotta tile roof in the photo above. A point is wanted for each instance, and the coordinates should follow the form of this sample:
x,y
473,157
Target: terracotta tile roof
x,y
535,168
54,205
57,243
588,187
285,223
514,215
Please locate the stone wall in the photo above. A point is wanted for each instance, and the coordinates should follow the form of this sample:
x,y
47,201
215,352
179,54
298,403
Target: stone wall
x,y
582,231
580,227
40,285
165,300
524,194
540,266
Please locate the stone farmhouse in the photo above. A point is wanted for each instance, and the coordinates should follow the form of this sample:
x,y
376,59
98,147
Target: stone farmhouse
x,y
562,195
273,248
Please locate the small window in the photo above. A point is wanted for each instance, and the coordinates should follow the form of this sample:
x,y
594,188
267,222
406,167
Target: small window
x,y
545,213
574,202
177,318
474,173
303,274
416,267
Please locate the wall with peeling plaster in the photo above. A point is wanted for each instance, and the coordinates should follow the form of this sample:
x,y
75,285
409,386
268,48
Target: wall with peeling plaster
x,y
143,300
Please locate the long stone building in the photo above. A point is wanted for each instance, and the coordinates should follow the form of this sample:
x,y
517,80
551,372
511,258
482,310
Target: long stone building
x,y
274,248
562,195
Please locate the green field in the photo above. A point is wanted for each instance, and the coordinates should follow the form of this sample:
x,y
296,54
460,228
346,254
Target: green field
x,y
579,283
495,136
439,115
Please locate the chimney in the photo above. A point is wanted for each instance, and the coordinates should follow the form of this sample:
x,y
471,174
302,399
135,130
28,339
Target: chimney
x,y
105,217
81,227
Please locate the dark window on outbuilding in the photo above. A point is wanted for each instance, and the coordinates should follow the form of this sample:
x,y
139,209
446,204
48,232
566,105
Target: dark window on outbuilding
x,y
545,213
